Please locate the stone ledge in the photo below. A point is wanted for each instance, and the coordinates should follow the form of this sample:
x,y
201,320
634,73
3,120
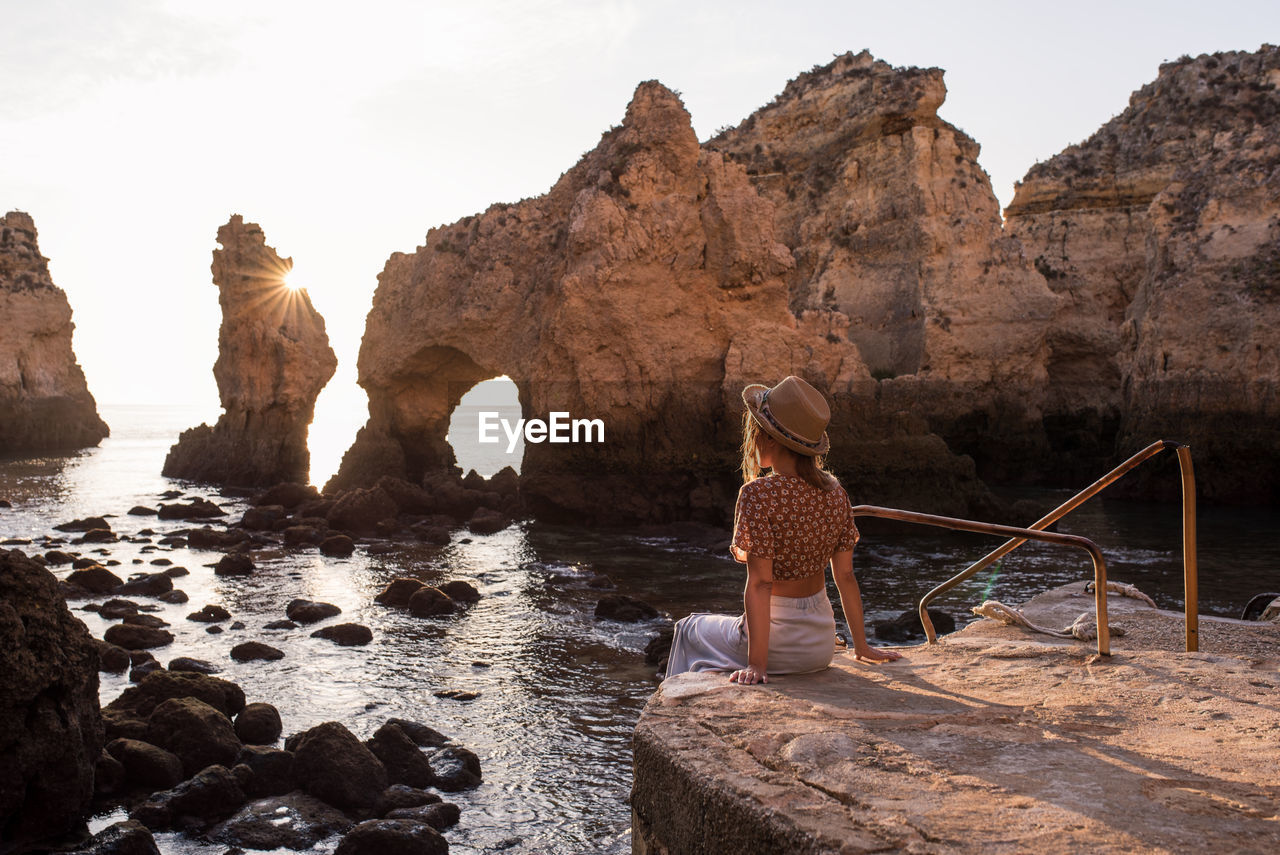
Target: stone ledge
x,y
997,740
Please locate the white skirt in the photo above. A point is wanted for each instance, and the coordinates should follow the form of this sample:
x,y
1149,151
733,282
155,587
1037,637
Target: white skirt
x,y
802,638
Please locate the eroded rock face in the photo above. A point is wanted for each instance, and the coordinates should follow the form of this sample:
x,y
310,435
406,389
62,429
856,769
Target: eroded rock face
x,y
50,728
645,289
1162,231
45,403
273,360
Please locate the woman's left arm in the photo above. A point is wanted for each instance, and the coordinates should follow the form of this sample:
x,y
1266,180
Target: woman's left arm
x,y
756,602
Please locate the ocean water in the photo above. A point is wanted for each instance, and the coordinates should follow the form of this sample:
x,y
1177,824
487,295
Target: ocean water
x,y
559,692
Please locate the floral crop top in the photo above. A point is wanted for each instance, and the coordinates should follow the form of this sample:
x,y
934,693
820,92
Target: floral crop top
x,y
798,525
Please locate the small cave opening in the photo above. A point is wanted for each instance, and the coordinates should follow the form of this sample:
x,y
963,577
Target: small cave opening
x,y
485,428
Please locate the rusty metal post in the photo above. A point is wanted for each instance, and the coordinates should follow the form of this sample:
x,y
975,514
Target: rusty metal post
x,y
1190,569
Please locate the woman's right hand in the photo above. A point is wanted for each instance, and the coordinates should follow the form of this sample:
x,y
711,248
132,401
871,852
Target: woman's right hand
x,y
867,653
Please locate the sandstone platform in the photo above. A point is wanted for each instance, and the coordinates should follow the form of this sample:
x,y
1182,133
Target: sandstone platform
x,y
995,740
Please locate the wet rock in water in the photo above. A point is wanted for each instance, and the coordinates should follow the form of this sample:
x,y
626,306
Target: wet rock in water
x,y
108,775
289,494
332,765
304,535
398,796
487,521
337,546
360,510
622,608
98,535
430,602
398,592
234,564
259,724
136,637
293,821
197,666
211,795
237,624
145,620
263,517
196,509
95,579
435,534
175,597
223,695
141,511
112,659
147,765
176,572
280,624
147,585
122,838
196,732
659,647
423,735
211,613
115,609
310,611
270,771
86,524
57,557
601,582
404,761
438,816
50,736
455,769
457,694
907,626
392,837
81,562
345,634
460,591
212,538
139,672
250,651
213,630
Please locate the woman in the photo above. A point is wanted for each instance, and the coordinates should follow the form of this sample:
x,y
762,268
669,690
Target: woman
x,y
788,526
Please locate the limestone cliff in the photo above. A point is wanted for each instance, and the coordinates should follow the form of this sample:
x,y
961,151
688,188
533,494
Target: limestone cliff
x,y
644,289
1162,231
893,223
273,360
45,404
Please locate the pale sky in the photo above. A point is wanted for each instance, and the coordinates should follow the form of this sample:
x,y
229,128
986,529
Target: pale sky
x,y
131,130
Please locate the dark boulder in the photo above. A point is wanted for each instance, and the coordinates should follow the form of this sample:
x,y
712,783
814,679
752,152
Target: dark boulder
x,y
175,596
140,671
210,614
455,769
142,511
460,591
108,776
149,621
337,546
196,509
146,585
438,816
86,524
115,609
123,724
358,511
95,579
234,564
141,700
659,647
132,637
404,761
270,771
199,666
50,732
304,535
280,624
147,765
392,837
211,795
427,737
250,651
399,796
398,592
332,765
505,482
196,732
622,608
57,558
309,611
111,659
430,602
122,838
259,724
263,517
487,521
212,538
288,494
98,535
83,562
409,498
345,634
292,821
907,626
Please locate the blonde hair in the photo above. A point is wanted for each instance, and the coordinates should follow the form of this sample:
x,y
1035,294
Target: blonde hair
x,y
810,468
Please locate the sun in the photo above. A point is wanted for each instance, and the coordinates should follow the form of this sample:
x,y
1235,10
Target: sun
x,y
291,282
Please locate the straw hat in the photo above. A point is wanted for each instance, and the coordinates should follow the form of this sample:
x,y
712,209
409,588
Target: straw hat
x,y
793,412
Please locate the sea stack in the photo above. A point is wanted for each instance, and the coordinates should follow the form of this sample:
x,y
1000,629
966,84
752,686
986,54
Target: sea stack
x,y
645,289
273,360
45,403
1162,231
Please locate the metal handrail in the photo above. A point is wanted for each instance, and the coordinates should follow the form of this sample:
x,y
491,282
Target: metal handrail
x,y
1022,534
1189,568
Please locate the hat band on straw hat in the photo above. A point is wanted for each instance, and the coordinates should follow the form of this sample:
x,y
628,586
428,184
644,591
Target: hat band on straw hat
x,y
773,423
